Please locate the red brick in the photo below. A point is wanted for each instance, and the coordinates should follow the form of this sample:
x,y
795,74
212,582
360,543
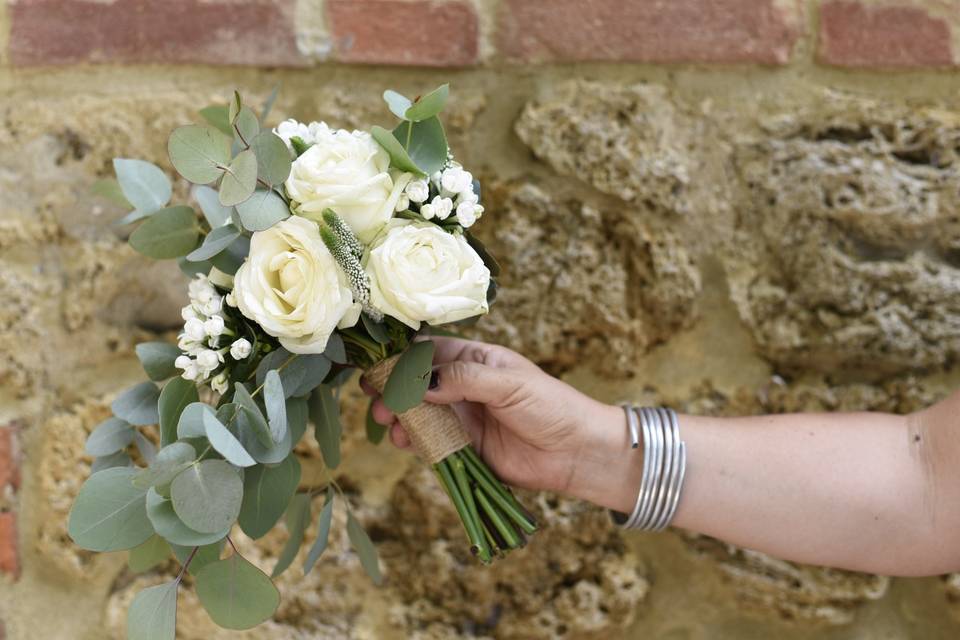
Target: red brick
x,y
9,553
220,32
853,34
9,458
718,31
397,32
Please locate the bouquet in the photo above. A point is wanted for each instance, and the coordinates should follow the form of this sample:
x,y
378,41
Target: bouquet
x,y
318,252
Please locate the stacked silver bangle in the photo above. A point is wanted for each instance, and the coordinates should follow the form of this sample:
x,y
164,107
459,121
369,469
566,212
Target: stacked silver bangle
x,y
664,465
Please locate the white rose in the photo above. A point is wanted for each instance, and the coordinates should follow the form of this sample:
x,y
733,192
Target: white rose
x,y
293,288
420,273
292,129
240,349
349,173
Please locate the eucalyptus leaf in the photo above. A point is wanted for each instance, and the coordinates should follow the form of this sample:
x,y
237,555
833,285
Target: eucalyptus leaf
x,y
216,214
243,399
148,555
304,374
265,454
276,407
323,533
118,459
429,105
425,143
262,210
205,555
230,259
190,424
236,594
399,157
199,152
171,527
296,418
336,350
157,359
169,233
153,613
233,107
239,179
377,330
362,544
109,188
148,450
397,103
216,241
170,461
207,496
176,395
217,116
144,184
267,490
193,269
273,157
325,415
110,436
274,360
225,443
297,520
138,404
109,513
410,377
246,126
375,430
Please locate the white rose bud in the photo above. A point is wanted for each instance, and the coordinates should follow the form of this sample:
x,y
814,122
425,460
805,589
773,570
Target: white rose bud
x,y
420,273
418,191
193,330
455,180
427,211
349,173
468,213
207,361
214,325
293,288
442,207
219,383
240,349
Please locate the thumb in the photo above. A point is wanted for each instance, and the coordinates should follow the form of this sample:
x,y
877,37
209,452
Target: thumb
x,y
462,380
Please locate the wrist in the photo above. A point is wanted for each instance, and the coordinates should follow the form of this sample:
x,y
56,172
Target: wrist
x,y
608,470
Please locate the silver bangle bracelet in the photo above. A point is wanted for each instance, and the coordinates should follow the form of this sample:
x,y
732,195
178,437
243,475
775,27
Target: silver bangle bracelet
x,y
664,468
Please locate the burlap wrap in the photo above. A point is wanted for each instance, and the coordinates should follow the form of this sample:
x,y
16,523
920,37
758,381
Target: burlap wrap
x,y
434,429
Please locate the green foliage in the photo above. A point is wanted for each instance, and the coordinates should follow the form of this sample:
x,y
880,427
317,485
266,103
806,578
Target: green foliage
x,y
169,233
138,404
377,330
267,490
323,533
243,399
299,146
410,377
429,105
343,233
110,436
239,179
399,157
216,241
297,520
144,185
484,254
276,406
153,613
118,459
236,594
171,527
230,259
199,152
233,107
148,555
262,210
157,359
375,430
273,157
216,214
246,126
217,116
109,513
325,415
148,450
205,555
190,424
425,143
174,398
170,461
336,350
109,188
207,496
224,442
362,544
397,103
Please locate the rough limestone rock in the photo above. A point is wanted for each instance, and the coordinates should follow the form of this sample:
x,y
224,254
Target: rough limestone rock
x,y
848,254
577,580
583,285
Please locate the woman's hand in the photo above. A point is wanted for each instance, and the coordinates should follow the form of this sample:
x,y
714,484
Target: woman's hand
x,y
534,431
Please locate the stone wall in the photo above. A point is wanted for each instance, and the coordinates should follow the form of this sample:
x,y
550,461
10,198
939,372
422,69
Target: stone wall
x,y
732,206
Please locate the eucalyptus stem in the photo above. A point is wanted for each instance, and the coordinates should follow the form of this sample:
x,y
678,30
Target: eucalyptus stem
x,y
498,496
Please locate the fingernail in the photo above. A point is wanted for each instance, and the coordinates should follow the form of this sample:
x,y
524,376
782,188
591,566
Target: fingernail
x,y
434,379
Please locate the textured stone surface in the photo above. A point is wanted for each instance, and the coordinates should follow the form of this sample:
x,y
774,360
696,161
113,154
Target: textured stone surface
x,y
582,285
847,256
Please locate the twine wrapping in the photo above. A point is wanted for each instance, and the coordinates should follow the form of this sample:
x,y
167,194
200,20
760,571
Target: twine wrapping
x,y
434,429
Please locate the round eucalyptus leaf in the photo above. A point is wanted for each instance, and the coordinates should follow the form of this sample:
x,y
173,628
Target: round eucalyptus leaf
x,y
190,424
273,157
246,126
267,491
143,184
153,613
224,442
218,116
138,404
243,399
169,233
110,436
427,147
171,527
207,496
397,103
216,214
205,554
174,398
170,461
272,453
148,555
199,152
429,105
408,382
118,459
109,513
399,157
216,241
157,359
239,179
236,594
262,210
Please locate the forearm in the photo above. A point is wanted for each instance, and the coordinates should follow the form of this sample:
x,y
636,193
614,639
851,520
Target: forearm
x,y
856,491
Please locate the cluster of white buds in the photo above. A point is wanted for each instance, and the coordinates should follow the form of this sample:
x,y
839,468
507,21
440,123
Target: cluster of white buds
x,y
455,195
203,329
